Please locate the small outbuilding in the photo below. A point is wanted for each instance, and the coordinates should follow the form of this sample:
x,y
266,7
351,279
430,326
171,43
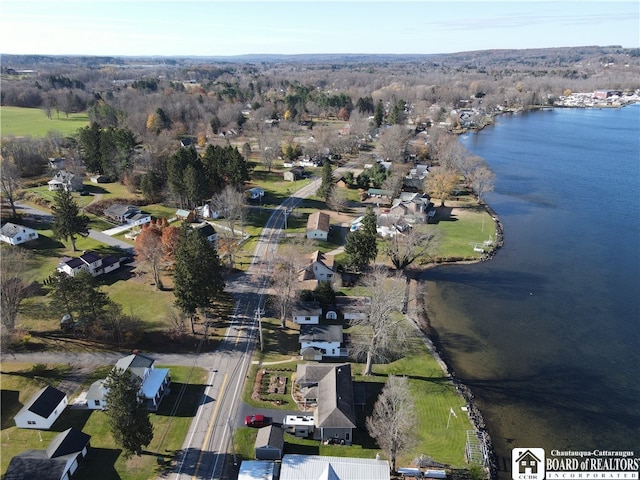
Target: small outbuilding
x,y
269,443
257,470
318,226
42,409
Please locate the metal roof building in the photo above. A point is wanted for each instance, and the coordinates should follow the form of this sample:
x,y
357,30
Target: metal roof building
x,y
314,467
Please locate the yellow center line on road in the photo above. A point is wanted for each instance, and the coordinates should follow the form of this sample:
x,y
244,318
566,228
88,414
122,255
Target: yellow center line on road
x,y
211,424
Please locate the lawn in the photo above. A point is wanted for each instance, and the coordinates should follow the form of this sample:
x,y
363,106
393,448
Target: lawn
x,y
104,461
18,122
433,395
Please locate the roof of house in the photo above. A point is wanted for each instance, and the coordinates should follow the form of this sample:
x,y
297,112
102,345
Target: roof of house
x,y
318,467
96,390
318,221
12,229
109,260
119,209
70,441
321,333
308,373
62,176
256,470
90,257
45,401
335,399
48,464
270,436
35,464
73,262
326,260
206,229
307,309
135,363
182,213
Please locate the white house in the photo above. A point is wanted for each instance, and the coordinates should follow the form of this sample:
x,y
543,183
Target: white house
x,y
128,214
321,267
314,467
15,234
306,313
320,341
155,382
59,461
318,226
64,180
42,409
90,262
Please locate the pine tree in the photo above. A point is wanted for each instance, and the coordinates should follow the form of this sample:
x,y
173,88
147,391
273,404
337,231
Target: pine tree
x,y
197,272
67,220
127,414
326,187
361,247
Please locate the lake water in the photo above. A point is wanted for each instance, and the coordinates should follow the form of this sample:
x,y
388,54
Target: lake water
x,y
547,333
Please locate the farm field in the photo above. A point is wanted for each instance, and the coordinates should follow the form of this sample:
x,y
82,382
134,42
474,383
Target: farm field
x,y
19,122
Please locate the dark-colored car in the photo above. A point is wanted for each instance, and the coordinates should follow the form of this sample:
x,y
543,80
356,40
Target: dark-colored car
x,y
256,421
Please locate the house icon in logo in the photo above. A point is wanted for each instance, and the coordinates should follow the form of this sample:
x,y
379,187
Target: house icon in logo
x,y
528,463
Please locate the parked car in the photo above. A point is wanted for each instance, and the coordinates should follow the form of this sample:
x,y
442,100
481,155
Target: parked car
x,y
256,421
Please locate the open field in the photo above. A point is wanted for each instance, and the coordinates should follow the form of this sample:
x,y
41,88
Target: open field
x,y
20,122
105,460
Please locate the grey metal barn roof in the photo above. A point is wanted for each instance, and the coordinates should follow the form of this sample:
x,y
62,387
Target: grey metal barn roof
x,y
316,467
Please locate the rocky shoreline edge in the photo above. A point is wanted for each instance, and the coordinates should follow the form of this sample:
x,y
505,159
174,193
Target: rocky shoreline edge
x,y
420,317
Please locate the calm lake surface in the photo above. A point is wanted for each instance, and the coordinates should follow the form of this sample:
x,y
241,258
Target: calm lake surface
x,y
547,334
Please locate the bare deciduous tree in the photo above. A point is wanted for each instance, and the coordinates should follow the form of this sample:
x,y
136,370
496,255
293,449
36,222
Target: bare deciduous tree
x,y
9,181
284,278
229,204
405,249
482,180
383,329
337,199
393,419
14,284
150,251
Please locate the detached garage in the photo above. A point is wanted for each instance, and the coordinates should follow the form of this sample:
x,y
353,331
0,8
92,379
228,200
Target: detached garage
x,y
269,443
42,410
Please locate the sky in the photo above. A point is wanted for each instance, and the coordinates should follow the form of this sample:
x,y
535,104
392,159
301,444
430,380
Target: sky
x,y
214,28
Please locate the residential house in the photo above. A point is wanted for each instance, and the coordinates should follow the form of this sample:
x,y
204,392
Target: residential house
x,y
90,262
348,308
306,313
207,230
321,267
64,180
269,443
155,382
315,467
99,179
296,173
415,179
255,193
15,234
410,207
121,213
318,226
42,409
321,341
185,215
58,462
57,163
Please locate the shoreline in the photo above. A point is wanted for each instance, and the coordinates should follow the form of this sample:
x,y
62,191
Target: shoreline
x,y
432,341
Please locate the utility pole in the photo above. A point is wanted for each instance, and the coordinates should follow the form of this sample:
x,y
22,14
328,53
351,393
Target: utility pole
x,y
258,315
233,447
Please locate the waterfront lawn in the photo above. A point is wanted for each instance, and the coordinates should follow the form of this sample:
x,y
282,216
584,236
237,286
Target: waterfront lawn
x,y
104,461
18,122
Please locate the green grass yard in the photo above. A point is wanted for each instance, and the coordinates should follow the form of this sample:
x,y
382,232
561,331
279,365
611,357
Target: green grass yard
x,y
20,122
105,461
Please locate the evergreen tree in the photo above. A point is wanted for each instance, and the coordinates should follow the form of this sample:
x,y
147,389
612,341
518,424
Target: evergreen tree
x,y
378,114
361,247
67,220
127,414
326,187
197,272
78,296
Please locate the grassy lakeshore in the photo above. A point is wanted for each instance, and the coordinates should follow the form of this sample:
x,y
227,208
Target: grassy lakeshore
x,y
20,122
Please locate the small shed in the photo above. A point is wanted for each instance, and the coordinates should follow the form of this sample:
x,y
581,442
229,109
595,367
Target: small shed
x,y
185,215
318,226
42,409
269,443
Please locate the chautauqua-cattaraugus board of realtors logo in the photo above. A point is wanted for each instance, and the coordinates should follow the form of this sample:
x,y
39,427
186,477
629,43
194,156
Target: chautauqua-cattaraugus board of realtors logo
x,y
533,464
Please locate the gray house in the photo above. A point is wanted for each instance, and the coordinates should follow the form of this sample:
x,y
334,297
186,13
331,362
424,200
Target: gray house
x,y
64,180
269,443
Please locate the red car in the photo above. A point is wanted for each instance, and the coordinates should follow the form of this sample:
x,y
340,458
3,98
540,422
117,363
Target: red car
x,y
255,421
